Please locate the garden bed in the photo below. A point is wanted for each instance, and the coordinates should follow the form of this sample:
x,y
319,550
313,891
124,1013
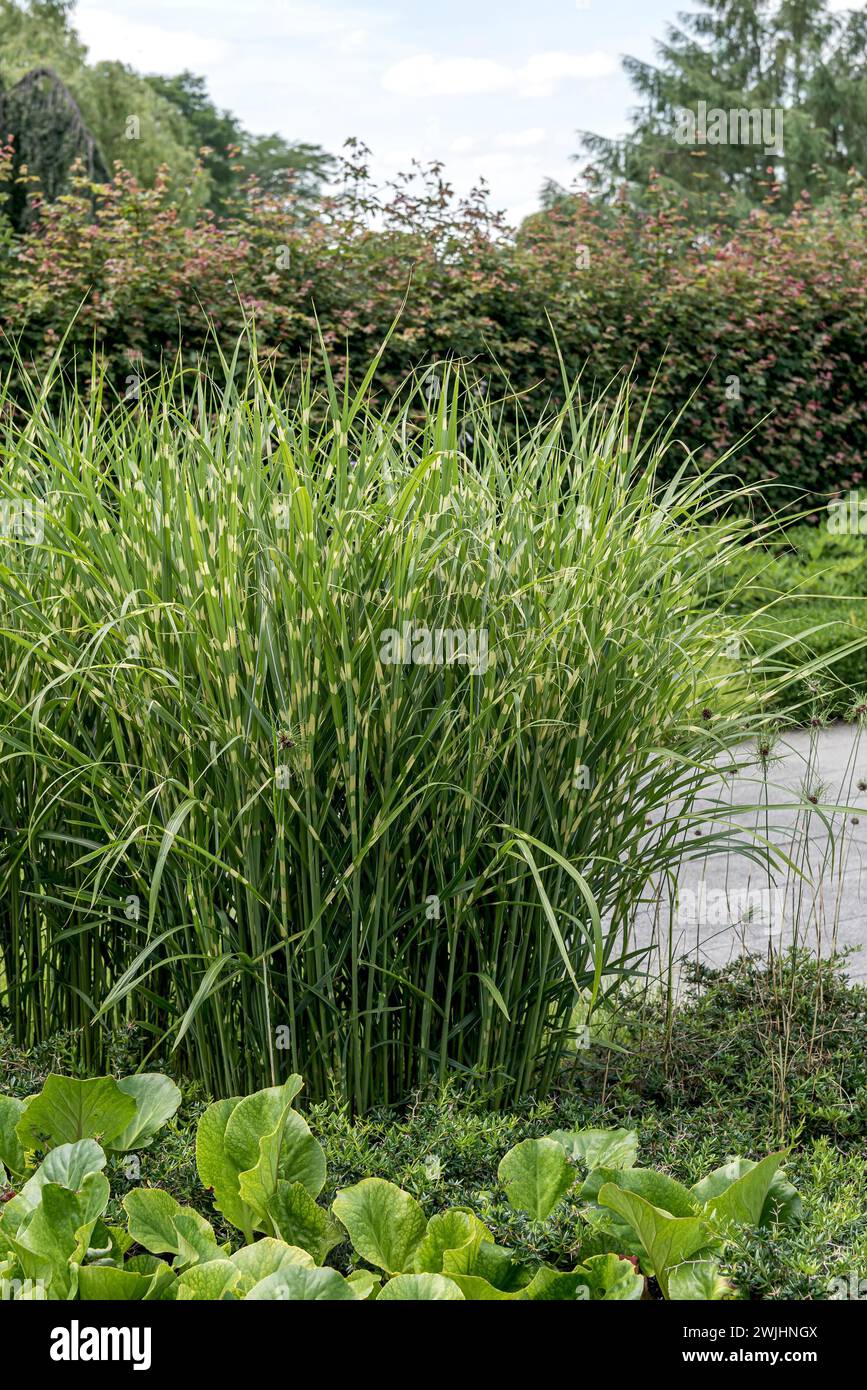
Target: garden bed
x,y
696,1086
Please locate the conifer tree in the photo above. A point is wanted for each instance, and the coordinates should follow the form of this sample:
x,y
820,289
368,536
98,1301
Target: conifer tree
x,y
792,56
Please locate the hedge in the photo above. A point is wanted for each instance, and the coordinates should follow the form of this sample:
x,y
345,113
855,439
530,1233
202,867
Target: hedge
x,y
757,331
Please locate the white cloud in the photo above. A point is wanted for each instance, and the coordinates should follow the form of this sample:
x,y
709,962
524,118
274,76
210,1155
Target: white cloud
x,y
153,47
521,139
462,144
353,40
346,24
147,47
427,75
544,71
505,140
262,18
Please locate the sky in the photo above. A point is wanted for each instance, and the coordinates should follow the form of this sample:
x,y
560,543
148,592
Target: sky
x,y
492,88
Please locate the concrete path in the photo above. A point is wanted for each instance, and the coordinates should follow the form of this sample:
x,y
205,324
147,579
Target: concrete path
x,y
725,902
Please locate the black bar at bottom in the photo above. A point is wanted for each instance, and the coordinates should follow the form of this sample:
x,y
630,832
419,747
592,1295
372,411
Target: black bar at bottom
x,y
63,1339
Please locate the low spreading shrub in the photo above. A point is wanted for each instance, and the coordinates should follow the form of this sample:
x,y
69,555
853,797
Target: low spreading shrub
x,y
784,1044
806,590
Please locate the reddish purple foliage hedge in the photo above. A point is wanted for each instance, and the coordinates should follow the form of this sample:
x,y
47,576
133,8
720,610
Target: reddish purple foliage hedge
x,y
765,324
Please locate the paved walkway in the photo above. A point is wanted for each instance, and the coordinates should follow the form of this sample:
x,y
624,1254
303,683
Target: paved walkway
x,y
725,902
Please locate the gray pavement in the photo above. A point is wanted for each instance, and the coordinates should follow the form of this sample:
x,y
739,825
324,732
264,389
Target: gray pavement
x,y
727,903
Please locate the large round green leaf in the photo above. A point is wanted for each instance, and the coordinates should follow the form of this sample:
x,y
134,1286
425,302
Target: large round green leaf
x,y
736,1193
67,1109
385,1224
300,1221
657,1188
68,1165
456,1234
265,1257
420,1288
54,1238
254,1117
699,1281
599,1148
475,1289
298,1284
608,1277
217,1170
211,1282
668,1241
156,1099
102,1283
163,1226
11,1151
536,1175
151,1213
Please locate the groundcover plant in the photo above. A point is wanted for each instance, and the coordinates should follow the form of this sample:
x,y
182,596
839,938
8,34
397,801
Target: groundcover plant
x,y
343,735
266,1169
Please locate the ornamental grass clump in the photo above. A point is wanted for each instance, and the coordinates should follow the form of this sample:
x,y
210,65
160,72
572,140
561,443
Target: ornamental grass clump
x,y
343,736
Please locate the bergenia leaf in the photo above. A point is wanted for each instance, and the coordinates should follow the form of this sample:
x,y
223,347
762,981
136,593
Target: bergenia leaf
x,y
782,1205
151,1213
475,1289
657,1188
536,1175
599,1148
197,1243
210,1282
557,1286
491,1264
668,1241
217,1171
103,1283
698,1280
68,1165
68,1109
300,1221
253,1118
164,1227
385,1224
290,1154
301,1285
11,1150
741,1200
53,1241
157,1099
455,1235
610,1278
416,1288
265,1257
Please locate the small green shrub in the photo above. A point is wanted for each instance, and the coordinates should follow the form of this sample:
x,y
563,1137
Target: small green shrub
x,y
805,592
720,1051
